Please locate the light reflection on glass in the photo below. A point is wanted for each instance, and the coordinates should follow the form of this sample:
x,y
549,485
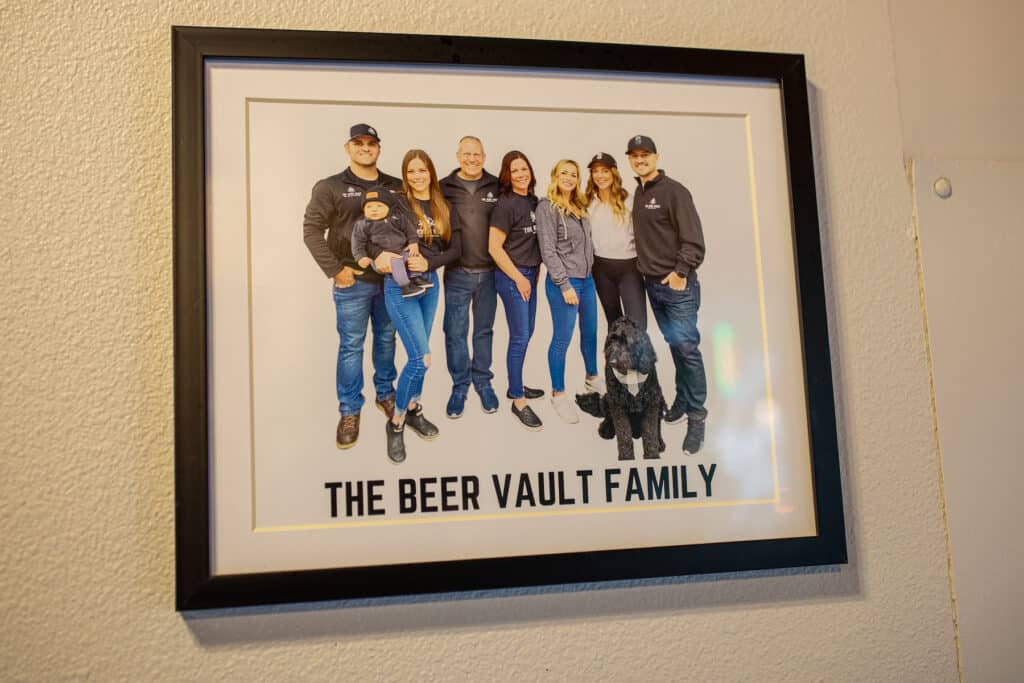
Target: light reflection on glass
x,y
723,343
785,504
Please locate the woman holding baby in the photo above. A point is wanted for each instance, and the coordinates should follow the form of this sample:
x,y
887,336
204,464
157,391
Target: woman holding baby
x,y
412,313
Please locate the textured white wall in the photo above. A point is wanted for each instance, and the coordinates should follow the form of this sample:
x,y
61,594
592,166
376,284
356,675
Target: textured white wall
x,y
958,67
86,487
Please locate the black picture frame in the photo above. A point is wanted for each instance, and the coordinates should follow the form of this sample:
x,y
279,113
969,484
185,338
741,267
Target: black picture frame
x,y
197,588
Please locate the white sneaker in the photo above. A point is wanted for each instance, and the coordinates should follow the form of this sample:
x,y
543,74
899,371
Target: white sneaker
x,y
566,408
595,386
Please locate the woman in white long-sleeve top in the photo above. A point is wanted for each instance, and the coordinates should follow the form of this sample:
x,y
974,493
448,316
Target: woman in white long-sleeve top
x,y
620,287
567,250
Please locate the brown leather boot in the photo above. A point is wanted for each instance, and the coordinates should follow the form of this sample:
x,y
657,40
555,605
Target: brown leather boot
x,y
387,406
348,431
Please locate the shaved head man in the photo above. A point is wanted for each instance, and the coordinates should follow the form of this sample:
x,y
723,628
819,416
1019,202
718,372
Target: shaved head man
x,y
469,284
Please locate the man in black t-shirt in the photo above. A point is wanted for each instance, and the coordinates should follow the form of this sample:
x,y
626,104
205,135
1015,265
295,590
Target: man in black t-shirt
x,y
335,205
669,249
471,192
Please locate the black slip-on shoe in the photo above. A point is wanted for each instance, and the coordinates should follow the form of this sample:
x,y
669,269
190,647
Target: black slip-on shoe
x,y
528,418
528,392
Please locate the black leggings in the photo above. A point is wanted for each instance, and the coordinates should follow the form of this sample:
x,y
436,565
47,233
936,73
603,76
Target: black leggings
x,y
619,284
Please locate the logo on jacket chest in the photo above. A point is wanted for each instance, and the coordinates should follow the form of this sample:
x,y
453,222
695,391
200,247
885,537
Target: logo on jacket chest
x,y
489,199
351,192
652,203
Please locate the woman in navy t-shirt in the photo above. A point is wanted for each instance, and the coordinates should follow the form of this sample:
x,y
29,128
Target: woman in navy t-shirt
x,y
513,246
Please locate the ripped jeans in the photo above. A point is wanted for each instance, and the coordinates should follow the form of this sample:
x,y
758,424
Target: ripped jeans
x,y
413,318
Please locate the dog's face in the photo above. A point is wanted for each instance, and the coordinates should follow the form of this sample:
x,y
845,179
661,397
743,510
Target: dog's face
x,y
629,353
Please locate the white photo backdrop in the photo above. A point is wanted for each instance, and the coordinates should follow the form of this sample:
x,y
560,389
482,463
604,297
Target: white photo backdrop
x,y
276,129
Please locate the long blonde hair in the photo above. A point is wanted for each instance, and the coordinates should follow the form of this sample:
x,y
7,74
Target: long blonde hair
x,y
438,206
617,193
577,202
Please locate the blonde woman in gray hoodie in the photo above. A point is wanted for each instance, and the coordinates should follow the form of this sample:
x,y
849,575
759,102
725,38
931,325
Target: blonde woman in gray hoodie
x,y
567,250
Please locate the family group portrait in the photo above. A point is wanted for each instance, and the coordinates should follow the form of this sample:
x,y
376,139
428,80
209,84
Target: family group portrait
x,y
586,240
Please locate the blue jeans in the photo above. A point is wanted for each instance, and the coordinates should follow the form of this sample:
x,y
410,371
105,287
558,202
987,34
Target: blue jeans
x,y
354,307
563,320
462,291
676,313
413,317
521,316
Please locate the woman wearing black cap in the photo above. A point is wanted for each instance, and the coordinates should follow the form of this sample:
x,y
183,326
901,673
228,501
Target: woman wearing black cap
x,y
513,246
619,283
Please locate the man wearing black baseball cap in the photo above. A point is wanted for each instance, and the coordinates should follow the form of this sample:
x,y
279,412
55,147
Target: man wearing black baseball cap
x,y
670,248
335,205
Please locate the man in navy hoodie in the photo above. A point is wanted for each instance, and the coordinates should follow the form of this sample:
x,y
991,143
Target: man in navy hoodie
x,y
471,192
335,205
669,249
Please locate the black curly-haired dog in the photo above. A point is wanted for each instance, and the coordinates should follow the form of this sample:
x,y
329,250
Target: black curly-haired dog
x,y
634,404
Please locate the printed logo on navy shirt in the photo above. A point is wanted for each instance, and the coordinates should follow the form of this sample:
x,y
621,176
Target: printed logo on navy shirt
x,y
532,228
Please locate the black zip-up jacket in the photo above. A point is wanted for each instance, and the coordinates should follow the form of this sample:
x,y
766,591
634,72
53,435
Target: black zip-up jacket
x,y
474,216
335,205
667,229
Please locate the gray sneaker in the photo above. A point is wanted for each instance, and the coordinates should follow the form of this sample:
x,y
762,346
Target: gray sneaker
x,y
595,386
566,408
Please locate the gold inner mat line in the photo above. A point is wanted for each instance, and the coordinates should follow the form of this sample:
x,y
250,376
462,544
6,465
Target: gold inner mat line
x,y
511,515
761,304
249,312
494,107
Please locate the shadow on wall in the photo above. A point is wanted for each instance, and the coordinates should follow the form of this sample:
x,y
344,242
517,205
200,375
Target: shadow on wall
x,y
828,258
511,608
514,607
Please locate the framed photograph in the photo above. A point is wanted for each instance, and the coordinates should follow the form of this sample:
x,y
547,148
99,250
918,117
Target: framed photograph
x,y
459,313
